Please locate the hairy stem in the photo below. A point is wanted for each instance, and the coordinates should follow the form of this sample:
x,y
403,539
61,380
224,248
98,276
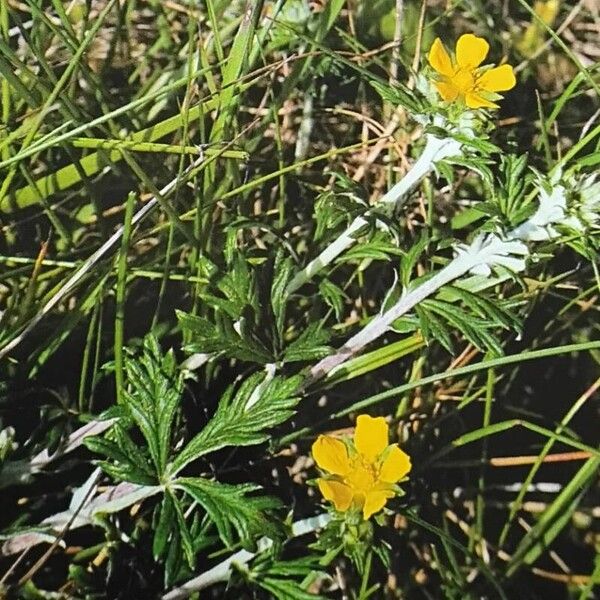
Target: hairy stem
x,y
435,149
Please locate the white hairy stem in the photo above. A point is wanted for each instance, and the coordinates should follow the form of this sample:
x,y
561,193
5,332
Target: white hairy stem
x,y
484,252
379,325
435,150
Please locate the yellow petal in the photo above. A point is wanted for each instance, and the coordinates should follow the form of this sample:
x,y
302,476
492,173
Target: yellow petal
x,y
331,455
439,59
374,502
338,493
474,100
447,91
395,465
471,50
371,436
547,11
499,79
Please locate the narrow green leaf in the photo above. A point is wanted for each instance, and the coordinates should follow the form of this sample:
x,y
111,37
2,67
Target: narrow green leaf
x,y
553,520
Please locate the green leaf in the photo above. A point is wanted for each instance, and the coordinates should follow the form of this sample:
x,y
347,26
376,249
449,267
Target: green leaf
x,y
375,249
174,562
243,417
434,327
472,328
236,514
164,526
482,306
152,398
310,345
411,257
187,543
398,95
282,272
223,338
333,295
123,465
284,589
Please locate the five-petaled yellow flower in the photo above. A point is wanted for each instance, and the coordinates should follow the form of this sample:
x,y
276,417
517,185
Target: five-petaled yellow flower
x,y
362,474
461,79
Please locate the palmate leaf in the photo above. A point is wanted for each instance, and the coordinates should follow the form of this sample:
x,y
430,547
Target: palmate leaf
x,y
482,306
187,543
472,327
410,259
163,527
433,327
336,205
399,95
150,401
235,513
374,249
516,179
178,539
234,328
243,416
238,285
333,296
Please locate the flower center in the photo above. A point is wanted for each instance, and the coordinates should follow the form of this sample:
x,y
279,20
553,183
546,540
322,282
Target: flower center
x,y
464,80
362,476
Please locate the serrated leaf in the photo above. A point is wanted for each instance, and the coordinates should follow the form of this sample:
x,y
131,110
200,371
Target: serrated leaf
x,y
282,271
152,398
399,95
310,345
479,144
481,305
376,249
164,526
120,466
239,422
433,327
235,513
477,165
223,338
174,561
444,169
473,328
410,259
238,284
187,542
333,296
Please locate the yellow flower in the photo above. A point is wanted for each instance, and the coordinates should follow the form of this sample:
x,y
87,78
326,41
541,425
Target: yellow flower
x,y
462,79
365,476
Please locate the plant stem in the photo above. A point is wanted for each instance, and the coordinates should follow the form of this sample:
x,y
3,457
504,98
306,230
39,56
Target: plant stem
x,y
435,150
379,325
